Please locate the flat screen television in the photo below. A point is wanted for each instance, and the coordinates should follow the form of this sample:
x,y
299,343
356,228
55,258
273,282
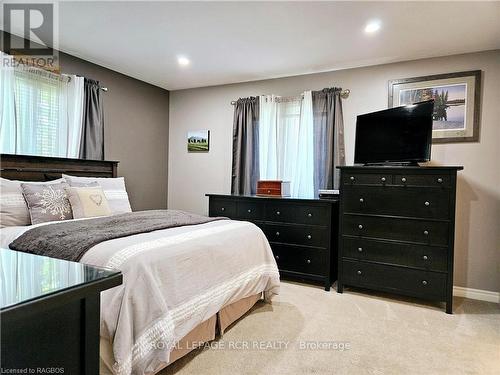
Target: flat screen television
x,y
395,135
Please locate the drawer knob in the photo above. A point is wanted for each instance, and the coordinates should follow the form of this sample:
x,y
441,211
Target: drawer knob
x,y
424,282
308,261
382,179
427,203
269,192
440,180
277,256
360,226
426,232
223,209
359,272
249,210
403,179
351,178
360,249
277,234
309,236
361,200
278,213
309,215
425,257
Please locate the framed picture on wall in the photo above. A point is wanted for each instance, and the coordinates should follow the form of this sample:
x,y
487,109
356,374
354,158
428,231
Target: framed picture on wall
x,y
198,141
456,103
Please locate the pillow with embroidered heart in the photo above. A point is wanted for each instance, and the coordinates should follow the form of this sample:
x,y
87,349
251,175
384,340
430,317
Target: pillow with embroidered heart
x,y
88,202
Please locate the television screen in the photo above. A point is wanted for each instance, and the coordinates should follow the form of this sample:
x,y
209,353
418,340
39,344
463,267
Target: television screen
x,y
401,134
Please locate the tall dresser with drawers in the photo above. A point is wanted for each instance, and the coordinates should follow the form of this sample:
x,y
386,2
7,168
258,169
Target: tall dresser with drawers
x,y
396,230
302,232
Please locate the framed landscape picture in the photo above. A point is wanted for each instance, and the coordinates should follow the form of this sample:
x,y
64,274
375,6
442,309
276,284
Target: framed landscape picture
x,y
198,141
456,103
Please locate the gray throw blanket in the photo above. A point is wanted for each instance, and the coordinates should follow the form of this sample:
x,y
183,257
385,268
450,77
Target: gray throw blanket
x,y
70,240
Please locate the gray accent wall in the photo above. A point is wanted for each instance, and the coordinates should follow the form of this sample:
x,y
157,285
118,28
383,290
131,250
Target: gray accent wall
x,y
477,252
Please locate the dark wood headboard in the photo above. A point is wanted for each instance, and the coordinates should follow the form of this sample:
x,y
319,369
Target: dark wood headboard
x,y
42,168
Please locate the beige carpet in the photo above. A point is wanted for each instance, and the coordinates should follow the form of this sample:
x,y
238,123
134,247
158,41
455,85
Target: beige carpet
x,y
380,335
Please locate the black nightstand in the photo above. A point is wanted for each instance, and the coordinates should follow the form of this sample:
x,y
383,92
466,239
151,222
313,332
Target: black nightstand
x,y
50,313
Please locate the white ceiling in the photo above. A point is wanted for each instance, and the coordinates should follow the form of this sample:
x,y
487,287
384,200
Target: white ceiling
x,y
244,41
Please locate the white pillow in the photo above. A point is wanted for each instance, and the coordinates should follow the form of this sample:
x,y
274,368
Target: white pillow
x,y
13,208
114,190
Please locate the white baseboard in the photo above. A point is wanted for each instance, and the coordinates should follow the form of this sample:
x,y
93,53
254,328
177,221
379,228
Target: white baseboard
x,y
482,295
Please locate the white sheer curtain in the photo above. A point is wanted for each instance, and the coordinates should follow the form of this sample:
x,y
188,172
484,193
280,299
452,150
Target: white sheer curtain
x,y
268,129
7,105
76,96
286,142
43,112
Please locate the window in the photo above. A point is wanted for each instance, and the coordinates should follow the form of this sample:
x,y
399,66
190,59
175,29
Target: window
x,y
39,107
41,112
286,142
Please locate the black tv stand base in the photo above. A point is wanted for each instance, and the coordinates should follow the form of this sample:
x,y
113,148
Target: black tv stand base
x,y
389,164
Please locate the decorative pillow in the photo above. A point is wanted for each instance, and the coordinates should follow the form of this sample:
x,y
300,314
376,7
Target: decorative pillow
x,y
13,207
114,190
47,202
88,202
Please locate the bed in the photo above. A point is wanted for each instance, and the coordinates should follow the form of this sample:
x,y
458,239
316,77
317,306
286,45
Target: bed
x,y
182,285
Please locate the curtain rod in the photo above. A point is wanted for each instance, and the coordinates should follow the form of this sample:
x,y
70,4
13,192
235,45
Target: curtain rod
x,y
105,89
344,94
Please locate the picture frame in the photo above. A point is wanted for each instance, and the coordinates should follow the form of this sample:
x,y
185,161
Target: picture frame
x,y
457,102
198,141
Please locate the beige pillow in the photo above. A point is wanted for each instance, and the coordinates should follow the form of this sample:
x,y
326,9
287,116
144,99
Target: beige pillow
x,y
114,189
88,202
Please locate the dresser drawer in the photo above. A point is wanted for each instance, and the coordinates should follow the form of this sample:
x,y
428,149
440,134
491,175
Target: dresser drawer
x,y
419,256
397,201
300,214
426,284
300,259
250,210
222,207
430,180
419,231
298,234
379,179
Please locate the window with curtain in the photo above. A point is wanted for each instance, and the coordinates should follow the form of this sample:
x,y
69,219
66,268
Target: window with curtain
x,y
286,142
297,139
41,111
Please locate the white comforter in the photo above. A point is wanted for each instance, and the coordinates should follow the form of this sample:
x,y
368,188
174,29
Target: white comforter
x,y
174,279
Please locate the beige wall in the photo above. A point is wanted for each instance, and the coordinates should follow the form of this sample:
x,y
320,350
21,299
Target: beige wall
x,y
477,260
135,131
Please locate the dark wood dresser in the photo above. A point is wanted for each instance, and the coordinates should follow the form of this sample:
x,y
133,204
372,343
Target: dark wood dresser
x,y
302,232
397,227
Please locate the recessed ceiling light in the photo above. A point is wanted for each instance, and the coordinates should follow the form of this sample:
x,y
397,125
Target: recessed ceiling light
x,y
183,61
373,26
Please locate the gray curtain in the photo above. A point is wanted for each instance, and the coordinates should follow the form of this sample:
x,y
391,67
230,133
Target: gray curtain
x,y
92,145
329,149
245,146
